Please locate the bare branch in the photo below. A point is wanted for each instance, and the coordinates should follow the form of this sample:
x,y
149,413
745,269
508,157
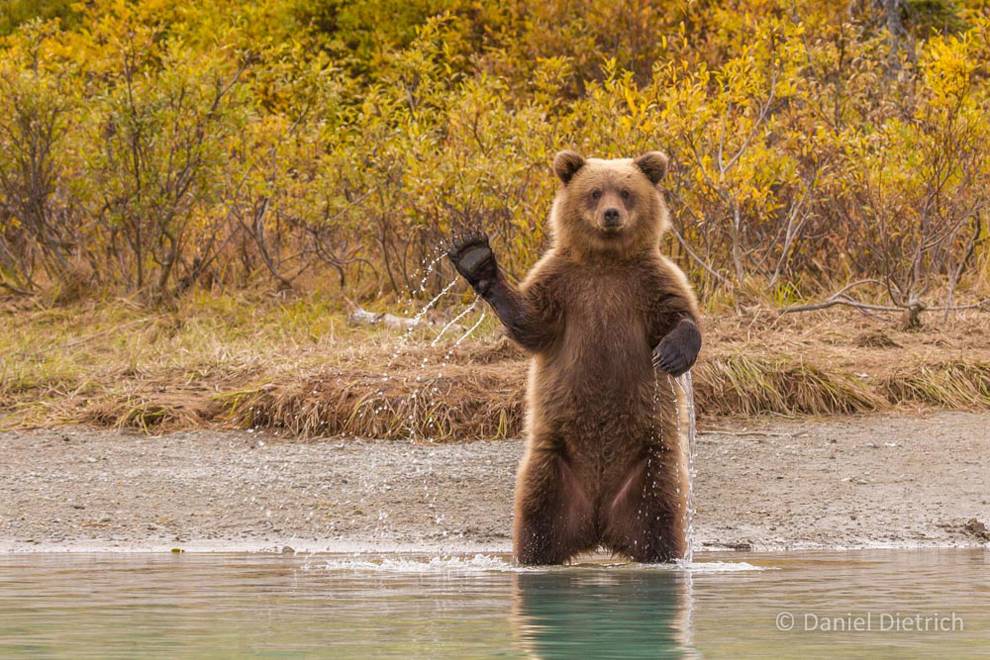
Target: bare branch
x,y
840,300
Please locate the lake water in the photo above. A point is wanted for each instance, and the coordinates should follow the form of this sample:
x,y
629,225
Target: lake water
x,y
271,605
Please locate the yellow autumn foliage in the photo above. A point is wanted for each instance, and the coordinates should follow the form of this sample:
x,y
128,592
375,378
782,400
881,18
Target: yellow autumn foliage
x,y
160,146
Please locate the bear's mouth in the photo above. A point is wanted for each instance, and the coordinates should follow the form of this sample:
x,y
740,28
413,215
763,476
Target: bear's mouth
x,y
611,230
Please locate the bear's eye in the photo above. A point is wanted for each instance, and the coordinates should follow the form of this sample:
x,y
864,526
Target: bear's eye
x,y
625,193
596,194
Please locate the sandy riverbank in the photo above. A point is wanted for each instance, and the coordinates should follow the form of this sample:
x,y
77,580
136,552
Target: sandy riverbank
x,y
833,483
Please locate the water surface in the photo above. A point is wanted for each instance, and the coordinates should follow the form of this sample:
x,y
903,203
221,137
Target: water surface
x,y
269,605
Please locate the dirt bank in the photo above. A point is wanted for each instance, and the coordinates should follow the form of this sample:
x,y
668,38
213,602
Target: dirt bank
x,y
840,482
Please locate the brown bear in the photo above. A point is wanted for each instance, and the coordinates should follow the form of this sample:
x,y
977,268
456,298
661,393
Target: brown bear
x,y
605,464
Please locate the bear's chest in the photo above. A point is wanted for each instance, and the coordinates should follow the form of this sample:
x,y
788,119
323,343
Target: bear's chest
x,y
604,306
605,339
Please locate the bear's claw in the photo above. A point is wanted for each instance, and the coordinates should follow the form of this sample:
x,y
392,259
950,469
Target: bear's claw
x,y
465,239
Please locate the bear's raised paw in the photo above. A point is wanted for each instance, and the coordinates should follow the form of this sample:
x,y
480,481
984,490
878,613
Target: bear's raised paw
x,y
473,258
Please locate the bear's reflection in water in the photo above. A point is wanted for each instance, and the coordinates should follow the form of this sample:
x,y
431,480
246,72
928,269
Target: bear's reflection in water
x,y
602,613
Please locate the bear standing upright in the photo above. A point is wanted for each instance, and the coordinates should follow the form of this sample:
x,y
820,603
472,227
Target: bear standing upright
x,y
605,463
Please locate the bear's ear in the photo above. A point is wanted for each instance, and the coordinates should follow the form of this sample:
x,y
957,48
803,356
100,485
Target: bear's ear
x,y
566,164
653,164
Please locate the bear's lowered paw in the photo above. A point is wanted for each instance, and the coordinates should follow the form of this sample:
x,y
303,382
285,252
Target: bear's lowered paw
x,y
473,258
677,352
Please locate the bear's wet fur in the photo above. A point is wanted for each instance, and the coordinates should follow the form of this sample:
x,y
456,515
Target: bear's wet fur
x,y
603,315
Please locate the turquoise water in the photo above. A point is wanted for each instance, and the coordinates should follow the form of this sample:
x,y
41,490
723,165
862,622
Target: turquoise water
x,y
268,605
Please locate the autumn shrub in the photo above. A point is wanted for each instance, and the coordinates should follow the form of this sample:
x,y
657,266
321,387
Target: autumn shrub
x,y
157,147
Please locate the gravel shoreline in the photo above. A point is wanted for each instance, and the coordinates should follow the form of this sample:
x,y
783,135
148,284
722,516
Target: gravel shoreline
x,y
845,482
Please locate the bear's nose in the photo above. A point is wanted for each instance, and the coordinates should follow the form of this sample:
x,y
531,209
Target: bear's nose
x,y
611,217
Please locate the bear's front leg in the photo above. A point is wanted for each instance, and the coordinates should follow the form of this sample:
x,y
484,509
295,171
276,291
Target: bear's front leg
x,y
474,260
553,518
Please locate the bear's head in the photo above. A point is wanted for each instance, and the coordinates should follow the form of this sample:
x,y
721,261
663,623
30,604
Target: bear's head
x,y
609,205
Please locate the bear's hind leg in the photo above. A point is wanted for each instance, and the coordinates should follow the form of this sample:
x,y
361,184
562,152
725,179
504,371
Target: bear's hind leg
x,y
553,514
647,519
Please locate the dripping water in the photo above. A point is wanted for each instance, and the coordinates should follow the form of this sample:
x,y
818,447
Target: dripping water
x,y
454,321
686,384
418,394
467,334
430,267
416,320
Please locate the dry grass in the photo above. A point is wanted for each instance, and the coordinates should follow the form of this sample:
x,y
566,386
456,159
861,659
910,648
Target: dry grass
x,y
734,384
943,385
300,367
462,402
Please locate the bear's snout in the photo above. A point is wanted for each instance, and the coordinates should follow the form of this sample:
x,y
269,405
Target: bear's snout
x,y
612,218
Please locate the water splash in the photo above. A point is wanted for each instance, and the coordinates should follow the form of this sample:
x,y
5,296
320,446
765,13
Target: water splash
x,y
467,334
417,395
429,271
444,564
454,321
416,320
482,563
718,566
686,384
433,301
